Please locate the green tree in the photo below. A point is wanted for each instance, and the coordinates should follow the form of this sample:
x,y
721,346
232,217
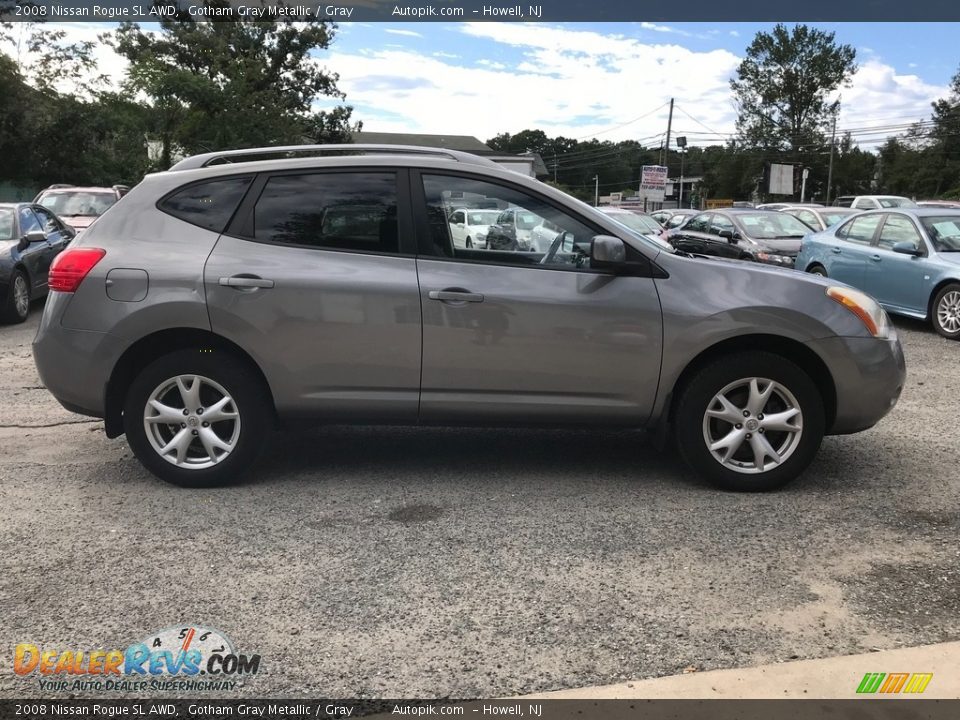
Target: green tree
x,y
782,86
233,84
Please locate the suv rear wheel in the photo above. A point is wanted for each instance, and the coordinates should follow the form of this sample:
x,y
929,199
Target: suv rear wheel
x,y
197,419
750,422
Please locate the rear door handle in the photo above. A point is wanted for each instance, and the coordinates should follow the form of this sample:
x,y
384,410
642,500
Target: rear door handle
x,y
246,281
836,251
455,295
875,258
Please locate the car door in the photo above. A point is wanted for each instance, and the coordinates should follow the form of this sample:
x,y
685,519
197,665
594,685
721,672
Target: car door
x,y
896,279
57,238
316,279
846,257
724,237
513,336
33,255
693,237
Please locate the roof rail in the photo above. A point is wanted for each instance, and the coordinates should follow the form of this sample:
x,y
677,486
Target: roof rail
x,y
224,156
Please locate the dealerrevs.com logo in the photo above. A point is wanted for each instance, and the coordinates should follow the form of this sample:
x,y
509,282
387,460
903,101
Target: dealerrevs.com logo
x,y
186,658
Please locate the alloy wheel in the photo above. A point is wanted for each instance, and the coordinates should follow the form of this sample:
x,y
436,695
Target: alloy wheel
x,y
752,425
948,312
191,421
21,295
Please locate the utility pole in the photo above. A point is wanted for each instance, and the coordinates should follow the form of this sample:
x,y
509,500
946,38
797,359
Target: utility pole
x,y
554,168
596,191
833,141
669,125
682,144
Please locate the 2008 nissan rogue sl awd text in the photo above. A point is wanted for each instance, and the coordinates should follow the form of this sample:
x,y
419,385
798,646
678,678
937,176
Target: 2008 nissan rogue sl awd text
x,y
245,287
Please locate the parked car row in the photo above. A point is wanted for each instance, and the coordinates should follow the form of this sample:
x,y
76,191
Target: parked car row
x,y
33,234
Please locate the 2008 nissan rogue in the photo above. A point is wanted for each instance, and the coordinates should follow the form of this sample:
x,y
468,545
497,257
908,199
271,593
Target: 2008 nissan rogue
x,y
245,287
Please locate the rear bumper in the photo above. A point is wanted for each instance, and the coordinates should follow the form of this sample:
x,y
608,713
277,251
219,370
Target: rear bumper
x,y
868,374
74,365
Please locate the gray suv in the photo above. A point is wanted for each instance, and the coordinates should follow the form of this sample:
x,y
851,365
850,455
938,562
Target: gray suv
x,y
243,288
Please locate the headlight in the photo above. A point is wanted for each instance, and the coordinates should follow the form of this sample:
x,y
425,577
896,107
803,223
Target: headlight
x,y
775,259
864,307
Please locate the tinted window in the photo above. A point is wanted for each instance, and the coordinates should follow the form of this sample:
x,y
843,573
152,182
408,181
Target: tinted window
x,y
529,242
721,223
700,223
896,229
84,203
771,224
339,211
208,204
29,222
861,229
50,224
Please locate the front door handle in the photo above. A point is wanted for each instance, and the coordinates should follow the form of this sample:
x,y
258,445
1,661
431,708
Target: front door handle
x,y
455,295
836,251
246,281
875,258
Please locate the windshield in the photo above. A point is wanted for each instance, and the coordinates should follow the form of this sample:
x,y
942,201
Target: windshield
x,y
483,217
834,216
6,224
638,223
765,225
78,202
895,202
944,232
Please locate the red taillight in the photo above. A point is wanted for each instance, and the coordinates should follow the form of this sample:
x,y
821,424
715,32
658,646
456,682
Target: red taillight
x,y
70,268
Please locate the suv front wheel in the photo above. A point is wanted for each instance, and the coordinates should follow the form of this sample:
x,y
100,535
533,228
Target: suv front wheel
x,y
749,422
197,419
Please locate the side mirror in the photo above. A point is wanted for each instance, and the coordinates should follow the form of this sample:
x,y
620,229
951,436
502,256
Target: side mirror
x,y
731,236
607,251
907,248
35,236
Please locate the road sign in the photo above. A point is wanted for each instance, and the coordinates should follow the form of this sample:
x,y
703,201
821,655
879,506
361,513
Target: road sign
x,y
653,182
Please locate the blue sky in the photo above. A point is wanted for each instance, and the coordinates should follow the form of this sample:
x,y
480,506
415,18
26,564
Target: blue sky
x,y
583,79
611,81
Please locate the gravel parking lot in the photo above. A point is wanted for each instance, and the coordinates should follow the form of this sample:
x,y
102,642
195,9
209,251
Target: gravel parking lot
x,y
399,562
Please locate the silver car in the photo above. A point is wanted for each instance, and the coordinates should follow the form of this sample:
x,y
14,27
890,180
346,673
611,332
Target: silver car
x,y
237,290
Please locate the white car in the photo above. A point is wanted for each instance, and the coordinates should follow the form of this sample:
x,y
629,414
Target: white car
x,y
543,235
468,228
874,202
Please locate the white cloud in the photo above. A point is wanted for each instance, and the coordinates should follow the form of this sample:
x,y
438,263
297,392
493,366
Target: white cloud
x,y
408,33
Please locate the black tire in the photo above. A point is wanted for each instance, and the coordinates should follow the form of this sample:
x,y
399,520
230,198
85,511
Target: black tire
x,y
950,309
697,396
817,270
12,311
250,401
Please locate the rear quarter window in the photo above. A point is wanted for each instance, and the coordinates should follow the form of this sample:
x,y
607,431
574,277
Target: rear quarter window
x,y
209,204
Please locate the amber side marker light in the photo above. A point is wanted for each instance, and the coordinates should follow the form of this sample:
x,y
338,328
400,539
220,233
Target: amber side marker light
x,y
864,307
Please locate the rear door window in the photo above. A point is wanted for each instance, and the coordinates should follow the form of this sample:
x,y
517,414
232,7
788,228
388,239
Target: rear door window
x,y
337,211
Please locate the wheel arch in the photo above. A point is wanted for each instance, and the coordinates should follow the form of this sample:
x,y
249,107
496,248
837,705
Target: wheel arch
x,y
792,350
936,291
152,346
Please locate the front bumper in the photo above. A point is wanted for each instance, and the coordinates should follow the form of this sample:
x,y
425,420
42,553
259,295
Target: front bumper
x,y
868,375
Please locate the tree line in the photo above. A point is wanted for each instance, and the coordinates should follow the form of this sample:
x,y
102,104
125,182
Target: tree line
x,y
192,87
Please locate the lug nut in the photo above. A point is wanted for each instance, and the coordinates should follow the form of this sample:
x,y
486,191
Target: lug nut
x,y
199,411
746,413
761,430
186,412
749,435
194,432
206,424
183,425
739,425
760,416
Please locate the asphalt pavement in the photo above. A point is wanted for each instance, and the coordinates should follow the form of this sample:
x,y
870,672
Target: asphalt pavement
x,y
391,562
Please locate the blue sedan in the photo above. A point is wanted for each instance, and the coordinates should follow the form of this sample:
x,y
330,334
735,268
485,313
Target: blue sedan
x,y
908,259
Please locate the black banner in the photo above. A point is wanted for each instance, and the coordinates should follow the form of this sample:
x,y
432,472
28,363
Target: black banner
x,y
854,709
474,10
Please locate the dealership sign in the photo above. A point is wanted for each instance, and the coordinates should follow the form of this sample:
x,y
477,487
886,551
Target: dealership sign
x,y
653,182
